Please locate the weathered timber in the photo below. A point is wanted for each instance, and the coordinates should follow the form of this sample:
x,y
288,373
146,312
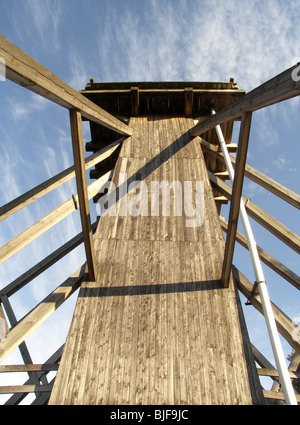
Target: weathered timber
x,y
83,198
40,313
43,265
56,181
284,324
258,177
49,220
24,70
237,187
157,326
29,368
15,389
274,395
259,215
277,89
267,258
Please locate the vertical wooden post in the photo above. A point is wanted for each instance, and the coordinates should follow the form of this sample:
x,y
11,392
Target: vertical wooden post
x,y
135,101
80,172
236,196
188,101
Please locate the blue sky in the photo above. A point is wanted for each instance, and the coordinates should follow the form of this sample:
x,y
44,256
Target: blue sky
x,y
141,40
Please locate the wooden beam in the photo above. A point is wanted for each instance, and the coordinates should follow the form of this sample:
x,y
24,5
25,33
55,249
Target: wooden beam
x,y
259,215
188,101
43,265
40,313
274,395
80,173
277,89
15,389
25,71
56,181
284,324
273,373
267,258
135,101
236,196
29,368
48,221
266,182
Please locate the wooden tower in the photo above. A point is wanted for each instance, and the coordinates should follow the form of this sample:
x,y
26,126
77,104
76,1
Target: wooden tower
x,y
156,321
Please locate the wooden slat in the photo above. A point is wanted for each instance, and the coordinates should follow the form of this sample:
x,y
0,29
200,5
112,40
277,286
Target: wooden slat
x,y
259,215
40,313
284,324
48,221
236,196
15,389
267,258
27,72
274,395
277,89
29,368
273,373
56,181
81,180
266,182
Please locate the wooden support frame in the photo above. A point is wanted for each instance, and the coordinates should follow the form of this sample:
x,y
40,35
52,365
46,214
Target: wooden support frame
x,y
81,180
55,181
284,324
43,265
135,101
267,258
277,89
258,177
40,313
236,196
258,214
25,71
49,220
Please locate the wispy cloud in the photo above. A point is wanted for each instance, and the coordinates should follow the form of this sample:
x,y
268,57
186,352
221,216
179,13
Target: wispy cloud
x,y
202,41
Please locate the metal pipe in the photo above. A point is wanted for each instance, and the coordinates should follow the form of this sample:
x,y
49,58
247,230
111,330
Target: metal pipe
x,y
284,377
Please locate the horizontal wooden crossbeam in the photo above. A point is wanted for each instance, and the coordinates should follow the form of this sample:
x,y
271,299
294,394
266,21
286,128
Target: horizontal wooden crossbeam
x,y
29,368
16,389
25,71
277,89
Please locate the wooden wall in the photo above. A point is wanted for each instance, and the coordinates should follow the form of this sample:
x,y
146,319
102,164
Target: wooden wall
x,y
157,327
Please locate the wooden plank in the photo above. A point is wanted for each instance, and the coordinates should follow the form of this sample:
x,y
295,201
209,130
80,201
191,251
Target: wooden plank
x,y
284,324
40,313
267,258
266,182
277,89
259,215
27,72
236,196
54,182
16,389
152,331
29,368
43,265
274,373
81,180
48,221
274,395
